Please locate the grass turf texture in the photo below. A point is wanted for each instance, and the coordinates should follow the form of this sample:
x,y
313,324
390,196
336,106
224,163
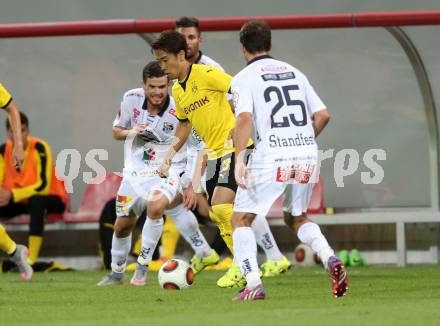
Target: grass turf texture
x,y
377,296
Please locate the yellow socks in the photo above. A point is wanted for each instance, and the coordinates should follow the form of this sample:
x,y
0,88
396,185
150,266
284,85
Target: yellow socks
x,y
137,245
170,237
35,242
6,243
221,216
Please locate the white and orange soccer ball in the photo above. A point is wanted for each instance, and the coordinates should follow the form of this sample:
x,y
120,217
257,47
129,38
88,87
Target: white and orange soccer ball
x,y
305,257
175,274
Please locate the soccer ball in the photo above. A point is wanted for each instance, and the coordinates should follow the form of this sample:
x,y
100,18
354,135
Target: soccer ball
x,y
305,257
175,274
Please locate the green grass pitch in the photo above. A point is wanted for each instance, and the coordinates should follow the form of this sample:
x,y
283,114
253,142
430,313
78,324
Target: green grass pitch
x,y
377,296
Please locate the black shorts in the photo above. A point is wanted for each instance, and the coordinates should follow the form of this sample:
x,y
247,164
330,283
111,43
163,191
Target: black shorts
x,y
220,173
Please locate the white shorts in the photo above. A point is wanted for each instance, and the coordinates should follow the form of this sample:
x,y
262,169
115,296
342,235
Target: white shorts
x,y
266,186
137,188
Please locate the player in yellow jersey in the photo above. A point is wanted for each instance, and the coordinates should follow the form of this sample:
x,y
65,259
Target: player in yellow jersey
x,y
201,103
189,28
18,253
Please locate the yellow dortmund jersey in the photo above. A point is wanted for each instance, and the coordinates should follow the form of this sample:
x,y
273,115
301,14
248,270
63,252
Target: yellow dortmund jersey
x,y
201,99
5,97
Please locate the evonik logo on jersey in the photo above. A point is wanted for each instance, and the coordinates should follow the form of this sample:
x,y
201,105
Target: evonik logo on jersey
x,y
196,105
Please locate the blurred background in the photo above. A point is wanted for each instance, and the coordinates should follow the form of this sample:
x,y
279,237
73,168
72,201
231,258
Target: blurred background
x,y
71,87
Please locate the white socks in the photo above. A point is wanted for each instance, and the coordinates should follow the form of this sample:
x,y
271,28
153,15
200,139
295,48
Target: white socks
x,y
151,233
245,255
188,226
310,234
120,249
265,238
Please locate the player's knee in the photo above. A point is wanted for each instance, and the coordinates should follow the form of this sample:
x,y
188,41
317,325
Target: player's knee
x,y
202,205
299,220
288,220
242,220
37,202
155,209
294,222
123,227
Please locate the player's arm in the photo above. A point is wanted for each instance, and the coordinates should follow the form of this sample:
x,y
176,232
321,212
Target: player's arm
x,y
121,133
318,111
5,196
122,127
320,120
14,120
44,161
243,103
191,178
183,130
2,164
242,134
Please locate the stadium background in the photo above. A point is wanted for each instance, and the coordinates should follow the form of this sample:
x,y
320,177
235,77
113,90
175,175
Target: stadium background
x,y
71,87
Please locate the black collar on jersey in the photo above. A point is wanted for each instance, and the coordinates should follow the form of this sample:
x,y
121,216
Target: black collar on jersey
x,y
183,83
199,57
261,57
162,109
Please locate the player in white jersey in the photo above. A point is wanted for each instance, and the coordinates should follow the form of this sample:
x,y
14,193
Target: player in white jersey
x,y
287,115
147,123
276,262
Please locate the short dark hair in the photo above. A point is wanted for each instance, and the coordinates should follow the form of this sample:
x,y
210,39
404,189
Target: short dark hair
x,y
188,22
23,118
255,36
151,70
171,42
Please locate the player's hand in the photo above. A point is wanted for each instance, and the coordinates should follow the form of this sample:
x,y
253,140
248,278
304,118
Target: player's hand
x,y
18,154
164,168
138,129
242,176
5,197
190,198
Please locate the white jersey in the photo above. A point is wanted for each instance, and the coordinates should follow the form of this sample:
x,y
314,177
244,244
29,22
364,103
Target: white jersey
x,y
146,152
205,60
282,102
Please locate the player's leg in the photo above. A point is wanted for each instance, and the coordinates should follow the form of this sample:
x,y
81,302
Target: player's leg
x,y
121,244
129,205
257,199
297,198
217,244
157,261
221,189
38,207
203,207
245,255
17,253
222,209
188,226
276,262
151,233
221,213
169,239
107,221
